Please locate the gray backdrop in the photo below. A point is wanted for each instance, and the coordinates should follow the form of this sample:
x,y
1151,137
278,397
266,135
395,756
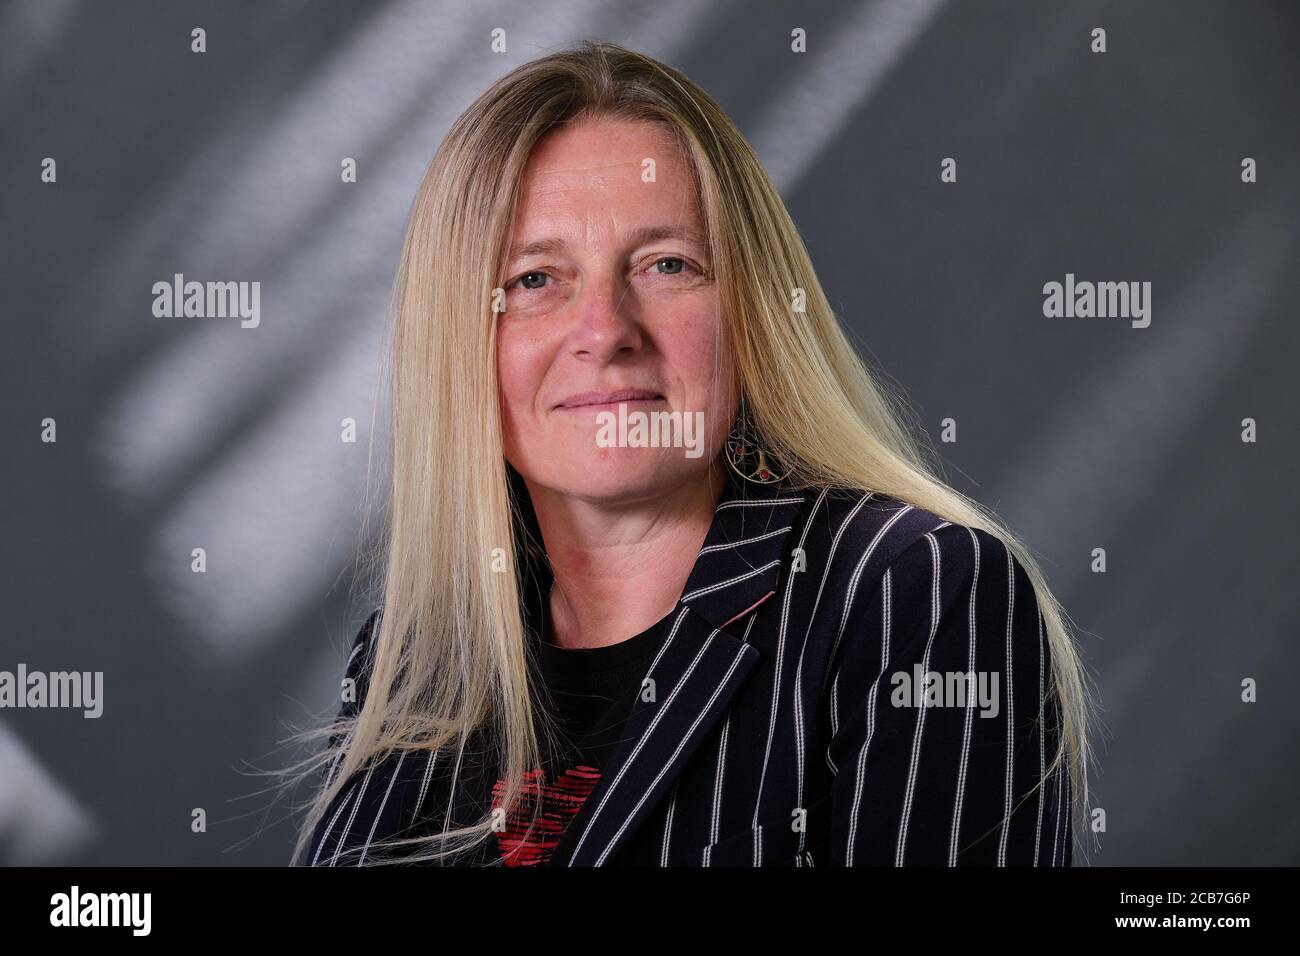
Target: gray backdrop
x,y
1083,432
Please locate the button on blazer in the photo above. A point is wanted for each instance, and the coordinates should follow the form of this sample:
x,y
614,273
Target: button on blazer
x,y
810,706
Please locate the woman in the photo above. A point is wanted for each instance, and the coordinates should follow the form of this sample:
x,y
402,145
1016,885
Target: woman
x,y
665,580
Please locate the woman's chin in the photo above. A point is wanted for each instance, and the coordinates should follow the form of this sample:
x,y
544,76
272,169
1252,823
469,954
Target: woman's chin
x,y
612,473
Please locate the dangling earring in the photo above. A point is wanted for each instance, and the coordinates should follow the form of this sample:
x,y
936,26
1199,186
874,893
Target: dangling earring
x,y
745,453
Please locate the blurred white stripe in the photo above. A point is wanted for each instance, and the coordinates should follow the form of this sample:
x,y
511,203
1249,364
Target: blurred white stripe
x,y
40,819
843,69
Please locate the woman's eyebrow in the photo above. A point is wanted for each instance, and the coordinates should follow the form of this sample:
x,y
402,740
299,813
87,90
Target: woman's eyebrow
x,y
638,237
654,233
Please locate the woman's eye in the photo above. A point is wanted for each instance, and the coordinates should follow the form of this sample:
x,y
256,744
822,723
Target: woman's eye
x,y
532,280
675,265
664,265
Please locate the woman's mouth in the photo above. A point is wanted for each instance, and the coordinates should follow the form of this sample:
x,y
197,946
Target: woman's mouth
x,y
609,399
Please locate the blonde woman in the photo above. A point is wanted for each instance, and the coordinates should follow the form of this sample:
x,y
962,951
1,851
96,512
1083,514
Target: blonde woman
x,y
665,580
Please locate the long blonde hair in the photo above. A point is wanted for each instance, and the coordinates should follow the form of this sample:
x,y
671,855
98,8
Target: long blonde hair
x,y
450,656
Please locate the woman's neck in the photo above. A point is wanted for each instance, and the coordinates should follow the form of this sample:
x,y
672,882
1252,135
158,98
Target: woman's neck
x,y
621,567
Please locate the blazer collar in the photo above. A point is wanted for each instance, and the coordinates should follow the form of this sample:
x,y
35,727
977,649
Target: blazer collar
x,y
704,661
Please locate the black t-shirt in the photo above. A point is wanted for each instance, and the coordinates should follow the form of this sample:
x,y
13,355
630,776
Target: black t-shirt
x,y
589,692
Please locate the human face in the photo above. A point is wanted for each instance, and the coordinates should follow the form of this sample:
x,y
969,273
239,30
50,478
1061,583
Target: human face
x,y
609,297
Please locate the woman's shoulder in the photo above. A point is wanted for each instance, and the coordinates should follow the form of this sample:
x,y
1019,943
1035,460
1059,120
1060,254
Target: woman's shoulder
x,y
946,585
365,637
864,533
357,669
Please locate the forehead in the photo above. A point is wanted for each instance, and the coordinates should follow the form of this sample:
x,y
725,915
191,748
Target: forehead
x,y
601,165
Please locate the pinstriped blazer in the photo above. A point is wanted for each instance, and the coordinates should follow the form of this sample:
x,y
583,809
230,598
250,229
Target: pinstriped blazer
x,y
846,680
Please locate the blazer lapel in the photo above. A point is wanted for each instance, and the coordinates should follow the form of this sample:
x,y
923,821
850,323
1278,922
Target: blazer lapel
x,y
704,661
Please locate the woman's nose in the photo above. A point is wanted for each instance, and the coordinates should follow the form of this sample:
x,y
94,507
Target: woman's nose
x,y
605,323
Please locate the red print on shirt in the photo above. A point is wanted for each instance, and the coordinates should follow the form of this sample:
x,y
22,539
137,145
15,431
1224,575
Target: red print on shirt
x,y
560,803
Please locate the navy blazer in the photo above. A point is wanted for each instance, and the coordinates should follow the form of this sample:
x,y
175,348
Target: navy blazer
x,y
793,722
